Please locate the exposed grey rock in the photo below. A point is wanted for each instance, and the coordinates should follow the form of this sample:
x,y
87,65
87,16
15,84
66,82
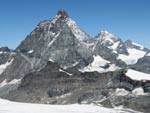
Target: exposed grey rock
x,y
130,44
63,14
4,49
51,40
142,65
5,55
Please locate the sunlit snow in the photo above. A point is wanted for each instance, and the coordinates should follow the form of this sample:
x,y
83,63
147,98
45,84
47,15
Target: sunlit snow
x,y
121,92
133,57
136,75
98,65
107,37
14,107
4,83
31,51
4,66
81,35
115,45
60,70
141,47
148,54
51,60
138,91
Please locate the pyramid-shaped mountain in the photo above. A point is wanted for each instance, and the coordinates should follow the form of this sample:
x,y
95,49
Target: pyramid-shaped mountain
x,y
59,63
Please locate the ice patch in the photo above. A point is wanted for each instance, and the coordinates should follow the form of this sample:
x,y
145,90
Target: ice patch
x,y
54,39
4,66
115,45
51,60
72,65
4,83
141,47
60,70
136,75
138,91
100,65
94,46
65,95
56,18
31,51
1,52
148,54
133,57
99,61
121,92
81,35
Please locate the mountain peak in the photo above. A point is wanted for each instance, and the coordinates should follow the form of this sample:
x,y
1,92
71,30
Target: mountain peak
x,y
105,35
4,49
104,32
62,13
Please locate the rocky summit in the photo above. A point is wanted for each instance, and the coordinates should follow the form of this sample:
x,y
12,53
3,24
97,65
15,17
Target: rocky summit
x,y
59,63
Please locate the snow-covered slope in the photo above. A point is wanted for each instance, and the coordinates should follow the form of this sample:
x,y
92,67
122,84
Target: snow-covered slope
x,y
138,91
81,35
136,51
133,57
14,107
4,66
5,83
138,45
136,75
100,65
148,54
6,58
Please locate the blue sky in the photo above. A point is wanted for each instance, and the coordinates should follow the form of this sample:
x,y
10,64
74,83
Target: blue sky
x,y
128,19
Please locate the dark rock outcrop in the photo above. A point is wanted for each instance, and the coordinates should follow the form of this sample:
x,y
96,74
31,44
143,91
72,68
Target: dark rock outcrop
x,y
142,65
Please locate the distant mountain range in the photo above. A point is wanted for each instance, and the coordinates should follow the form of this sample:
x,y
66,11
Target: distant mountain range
x,y
59,63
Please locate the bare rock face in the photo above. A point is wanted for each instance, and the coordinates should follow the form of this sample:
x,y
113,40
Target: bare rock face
x,y
54,40
142,65
4,49
5,54
63,14
6,58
